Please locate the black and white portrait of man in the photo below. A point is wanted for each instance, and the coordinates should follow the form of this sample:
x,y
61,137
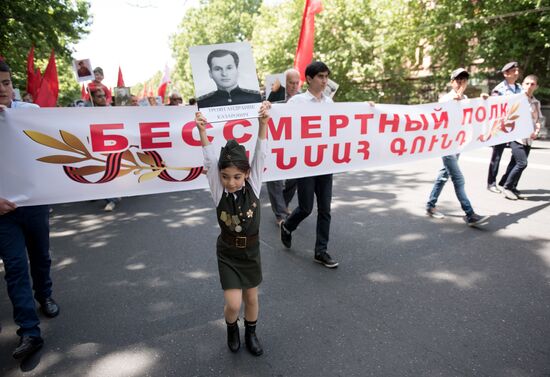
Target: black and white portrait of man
x,y
224,75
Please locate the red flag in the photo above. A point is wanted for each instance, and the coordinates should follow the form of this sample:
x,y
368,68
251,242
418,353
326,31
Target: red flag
x,y
37,81
84,94
150,93
34,76
164,83
304,51
49,86
32,85
120,81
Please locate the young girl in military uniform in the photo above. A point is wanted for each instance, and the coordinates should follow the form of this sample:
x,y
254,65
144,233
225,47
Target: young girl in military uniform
x,y
235,185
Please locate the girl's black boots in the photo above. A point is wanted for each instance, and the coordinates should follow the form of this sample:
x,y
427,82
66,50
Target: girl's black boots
x,y
233,338
252,343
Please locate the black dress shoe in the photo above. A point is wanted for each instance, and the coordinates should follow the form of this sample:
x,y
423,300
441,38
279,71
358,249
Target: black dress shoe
x,y
49,307
286,236
251,340
233,338
27,346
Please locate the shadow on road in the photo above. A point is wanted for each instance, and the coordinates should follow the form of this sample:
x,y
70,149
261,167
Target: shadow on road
x,y
140,295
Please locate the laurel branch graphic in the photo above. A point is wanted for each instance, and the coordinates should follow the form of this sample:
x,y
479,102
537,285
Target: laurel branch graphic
x,y
150,167
505,125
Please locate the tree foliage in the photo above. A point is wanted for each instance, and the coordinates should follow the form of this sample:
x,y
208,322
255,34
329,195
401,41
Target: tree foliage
x,y
396,52
275,36
368,59
46,24
488,34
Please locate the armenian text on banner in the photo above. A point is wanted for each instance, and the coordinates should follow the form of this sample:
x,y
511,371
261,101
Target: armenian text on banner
x,y
63,155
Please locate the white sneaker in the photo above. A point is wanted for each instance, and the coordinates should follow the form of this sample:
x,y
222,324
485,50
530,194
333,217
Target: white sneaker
x,y
494,188
109,207
509,194
435,214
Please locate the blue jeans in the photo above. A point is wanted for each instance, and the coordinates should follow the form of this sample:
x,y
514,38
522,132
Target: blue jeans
x,y
450,169
319,186
24,242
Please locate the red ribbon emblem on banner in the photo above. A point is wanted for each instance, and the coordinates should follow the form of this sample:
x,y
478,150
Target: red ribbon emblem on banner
x,y
112,165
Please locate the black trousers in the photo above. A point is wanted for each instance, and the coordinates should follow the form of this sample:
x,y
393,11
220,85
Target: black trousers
x,y
495,162
309,187
516,166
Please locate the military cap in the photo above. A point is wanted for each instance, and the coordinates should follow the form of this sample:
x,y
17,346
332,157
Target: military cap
x,y
232,152
509,66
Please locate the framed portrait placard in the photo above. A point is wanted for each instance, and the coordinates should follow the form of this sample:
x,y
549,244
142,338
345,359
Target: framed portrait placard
x,y
275,90
83,70
331,88
226,84
122,96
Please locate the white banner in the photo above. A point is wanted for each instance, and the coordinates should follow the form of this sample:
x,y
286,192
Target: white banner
x,y
62,155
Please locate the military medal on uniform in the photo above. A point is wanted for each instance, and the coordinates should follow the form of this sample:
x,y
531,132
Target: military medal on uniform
x,y
233,222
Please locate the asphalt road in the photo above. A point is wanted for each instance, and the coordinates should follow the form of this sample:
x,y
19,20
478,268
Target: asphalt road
x,y
413,296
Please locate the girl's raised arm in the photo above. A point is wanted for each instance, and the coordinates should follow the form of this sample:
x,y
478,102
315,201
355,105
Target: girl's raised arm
x,y
263,119
200,121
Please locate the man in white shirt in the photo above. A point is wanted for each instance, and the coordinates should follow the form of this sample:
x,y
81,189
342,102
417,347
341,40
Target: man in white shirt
x,y
319,186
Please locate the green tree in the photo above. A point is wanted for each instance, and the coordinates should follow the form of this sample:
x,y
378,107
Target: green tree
x,y
394,52
46,24
368,59
354,38
275,36
487,35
